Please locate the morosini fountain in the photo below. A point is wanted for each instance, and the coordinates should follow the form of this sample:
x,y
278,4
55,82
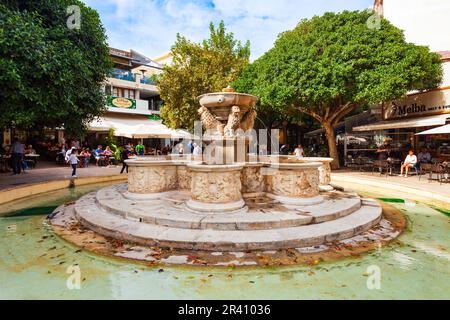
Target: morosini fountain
x,y
227,200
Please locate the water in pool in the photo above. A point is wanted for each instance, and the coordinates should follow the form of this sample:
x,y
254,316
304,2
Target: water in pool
x,y
34,264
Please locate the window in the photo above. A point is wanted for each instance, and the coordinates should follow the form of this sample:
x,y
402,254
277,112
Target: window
x,y
124,93
117,92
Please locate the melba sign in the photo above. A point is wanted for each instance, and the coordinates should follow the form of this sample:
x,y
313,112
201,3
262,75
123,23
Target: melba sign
x,y
422,104
123,103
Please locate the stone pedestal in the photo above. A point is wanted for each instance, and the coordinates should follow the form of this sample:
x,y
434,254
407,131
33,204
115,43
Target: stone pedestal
x,y
324,171
184,178
294,184
151,177
252,178
216,188
226,150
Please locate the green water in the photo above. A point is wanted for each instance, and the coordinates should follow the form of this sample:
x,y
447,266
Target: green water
x,y
34,265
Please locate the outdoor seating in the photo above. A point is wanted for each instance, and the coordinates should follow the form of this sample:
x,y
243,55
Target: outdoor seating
x,y
438,170
383,166
363,163
445,176
425,168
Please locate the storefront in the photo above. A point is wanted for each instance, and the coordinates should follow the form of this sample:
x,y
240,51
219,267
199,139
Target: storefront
x,y
401,122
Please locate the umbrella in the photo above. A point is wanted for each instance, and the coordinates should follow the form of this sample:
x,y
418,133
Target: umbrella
x,y
440,130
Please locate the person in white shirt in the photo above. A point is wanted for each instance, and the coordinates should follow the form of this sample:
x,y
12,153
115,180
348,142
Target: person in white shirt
x,y
299,152
73,160
410,162
197,150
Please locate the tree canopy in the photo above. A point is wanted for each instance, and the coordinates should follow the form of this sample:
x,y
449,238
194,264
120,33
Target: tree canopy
x,y
199,68
331,65
50,74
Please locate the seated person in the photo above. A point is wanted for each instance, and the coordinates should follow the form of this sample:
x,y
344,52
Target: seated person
x,y
424,156
410,162
86,157
98,154
29,150
108,154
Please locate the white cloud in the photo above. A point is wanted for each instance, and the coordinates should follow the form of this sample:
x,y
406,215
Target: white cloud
x,y
150,26
424,22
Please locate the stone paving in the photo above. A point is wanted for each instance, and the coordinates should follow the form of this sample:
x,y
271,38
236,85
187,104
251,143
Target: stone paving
x,y
411,188
47,171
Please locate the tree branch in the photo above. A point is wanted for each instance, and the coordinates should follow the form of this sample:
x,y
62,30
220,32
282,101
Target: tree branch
x,y
342,112
310,113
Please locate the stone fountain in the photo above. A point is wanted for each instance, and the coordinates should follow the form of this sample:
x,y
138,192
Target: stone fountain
x,y
227,200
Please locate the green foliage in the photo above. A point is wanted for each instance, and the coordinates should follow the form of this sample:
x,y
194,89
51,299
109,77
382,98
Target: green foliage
x,y
329,66
50,75
199,68
111,138
112,142
336,59
117,151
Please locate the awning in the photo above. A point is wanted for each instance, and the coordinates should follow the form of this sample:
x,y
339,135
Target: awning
x,y
438,120
136,127
440,130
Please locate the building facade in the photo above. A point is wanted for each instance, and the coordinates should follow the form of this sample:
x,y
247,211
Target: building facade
x,y
401,121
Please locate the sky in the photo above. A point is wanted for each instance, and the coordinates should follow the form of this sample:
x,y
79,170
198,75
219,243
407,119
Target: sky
x,y
150,26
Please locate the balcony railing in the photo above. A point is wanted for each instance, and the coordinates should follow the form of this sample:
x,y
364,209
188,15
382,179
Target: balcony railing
x,y
129,76
122,75
148,80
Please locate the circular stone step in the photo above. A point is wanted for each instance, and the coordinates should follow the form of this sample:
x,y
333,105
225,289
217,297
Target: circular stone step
x,y
118,227
262,213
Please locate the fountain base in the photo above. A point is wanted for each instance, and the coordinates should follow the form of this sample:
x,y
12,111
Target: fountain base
x,y
265,224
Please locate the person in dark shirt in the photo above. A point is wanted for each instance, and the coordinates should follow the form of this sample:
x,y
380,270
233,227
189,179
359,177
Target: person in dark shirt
x,y
284,150
384,152
125,156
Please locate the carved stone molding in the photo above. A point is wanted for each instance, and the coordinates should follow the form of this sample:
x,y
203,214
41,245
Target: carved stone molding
x,y
152,179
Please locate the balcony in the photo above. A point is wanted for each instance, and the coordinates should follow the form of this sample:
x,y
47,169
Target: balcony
x,y
122,75
129,76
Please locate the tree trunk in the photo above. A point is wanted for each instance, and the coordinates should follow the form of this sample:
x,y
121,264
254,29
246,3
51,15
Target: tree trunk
x,y
329,131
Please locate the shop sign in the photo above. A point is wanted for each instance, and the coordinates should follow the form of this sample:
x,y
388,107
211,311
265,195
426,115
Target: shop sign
x,y
123,103
429,103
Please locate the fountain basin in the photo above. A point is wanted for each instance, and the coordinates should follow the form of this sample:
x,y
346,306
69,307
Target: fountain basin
x,y
221,188
220,103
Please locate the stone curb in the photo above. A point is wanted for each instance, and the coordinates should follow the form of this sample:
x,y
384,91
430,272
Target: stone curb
x,y
27,190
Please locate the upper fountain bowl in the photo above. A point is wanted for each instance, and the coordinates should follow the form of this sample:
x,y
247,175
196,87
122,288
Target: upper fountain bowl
x,y
220,103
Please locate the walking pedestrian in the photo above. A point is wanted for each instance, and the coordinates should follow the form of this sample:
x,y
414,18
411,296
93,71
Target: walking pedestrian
x,y
73,160
125,156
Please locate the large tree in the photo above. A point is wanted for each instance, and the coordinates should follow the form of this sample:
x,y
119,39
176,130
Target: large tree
x,y
331,65
199,68
52,64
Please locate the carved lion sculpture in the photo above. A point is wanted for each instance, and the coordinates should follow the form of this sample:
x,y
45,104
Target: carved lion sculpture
x,y
234,120
248,120
209,121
